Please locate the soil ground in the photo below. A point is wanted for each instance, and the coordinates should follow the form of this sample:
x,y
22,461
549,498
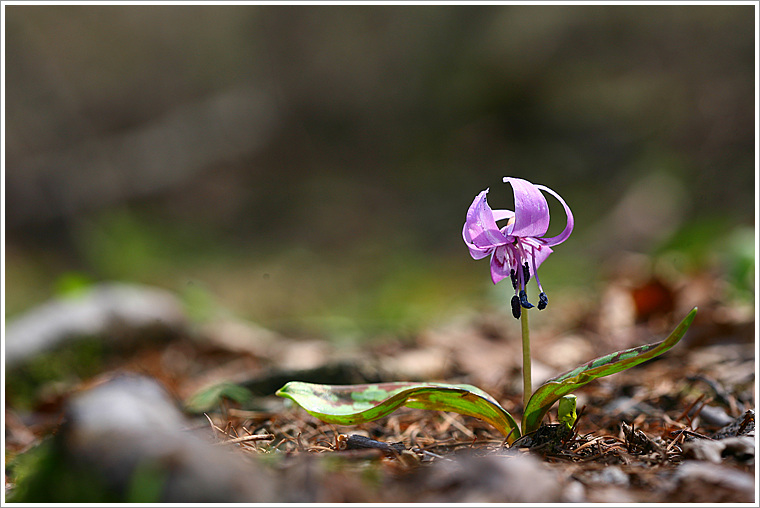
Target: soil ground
x,y
655,433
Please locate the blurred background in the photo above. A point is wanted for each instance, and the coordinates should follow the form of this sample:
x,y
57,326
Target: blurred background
x,y
309,168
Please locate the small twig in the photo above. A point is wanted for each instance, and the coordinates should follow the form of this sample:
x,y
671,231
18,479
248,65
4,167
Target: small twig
x,y
696,413
213,425
506,439
252,437
749,416
286,439
686,411
453,421
691,433
675,440
299,444
318,448
431,454
587,444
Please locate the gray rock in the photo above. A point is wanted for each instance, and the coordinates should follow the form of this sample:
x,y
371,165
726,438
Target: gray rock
x,y
744,425
95,312
740,448
713,415
130,424
692,476
613,475
703,449
496,479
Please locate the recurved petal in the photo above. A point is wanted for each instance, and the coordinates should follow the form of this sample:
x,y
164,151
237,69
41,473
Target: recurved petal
x,y
531,209
503,214
480,230
500,265
475,251
556,240
537,253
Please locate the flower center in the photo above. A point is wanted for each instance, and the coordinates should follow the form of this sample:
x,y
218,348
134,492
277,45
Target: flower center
x,y
520,277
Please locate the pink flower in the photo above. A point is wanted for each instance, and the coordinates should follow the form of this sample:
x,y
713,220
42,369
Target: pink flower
x,y
518,248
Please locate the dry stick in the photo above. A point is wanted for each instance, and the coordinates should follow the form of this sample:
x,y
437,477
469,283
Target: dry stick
x,y
691,433
506,439
452,421
587,444
252,437
748,417
686,411
696,414
430,454
213,425
675,440
319,448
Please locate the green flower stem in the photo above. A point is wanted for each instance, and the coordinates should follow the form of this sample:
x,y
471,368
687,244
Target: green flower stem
x,y
527,387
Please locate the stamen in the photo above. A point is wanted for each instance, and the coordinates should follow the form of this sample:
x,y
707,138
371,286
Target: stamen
x,y
513,276
515,307
543,301
538,282
524,299
526,272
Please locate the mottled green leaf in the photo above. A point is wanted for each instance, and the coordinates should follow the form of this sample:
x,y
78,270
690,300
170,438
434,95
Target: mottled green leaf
x,y
548,393
352,404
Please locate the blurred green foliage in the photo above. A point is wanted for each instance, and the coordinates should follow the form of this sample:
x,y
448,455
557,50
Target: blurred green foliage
x,y
45,372
715,245
309,167
44,475
72,284
213,396
740,259
147,483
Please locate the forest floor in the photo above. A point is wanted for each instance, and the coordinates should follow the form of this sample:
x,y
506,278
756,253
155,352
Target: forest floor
x,y
676,429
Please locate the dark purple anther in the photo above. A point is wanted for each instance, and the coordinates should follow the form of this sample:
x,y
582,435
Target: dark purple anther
x,y
516,307
526,272
524,300
543,301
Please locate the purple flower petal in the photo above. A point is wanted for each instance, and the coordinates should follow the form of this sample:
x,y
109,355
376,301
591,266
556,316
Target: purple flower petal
x,y
480,232
538,249
503,214
531,209
556,240
475,251
519,242
500,265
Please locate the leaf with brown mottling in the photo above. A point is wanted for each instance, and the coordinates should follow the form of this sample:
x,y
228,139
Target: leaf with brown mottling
x,y
548,393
